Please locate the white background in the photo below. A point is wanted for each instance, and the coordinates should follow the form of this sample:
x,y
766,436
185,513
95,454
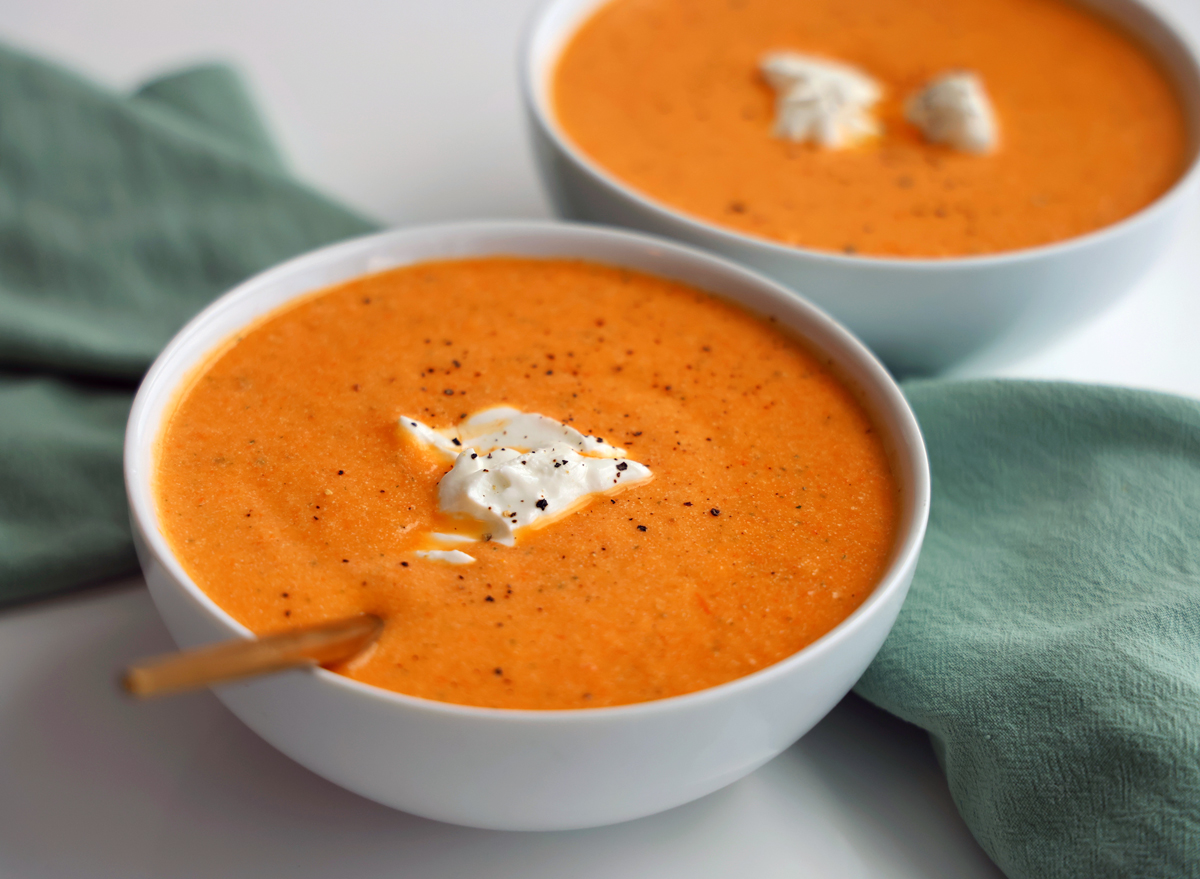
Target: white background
x,y
409,111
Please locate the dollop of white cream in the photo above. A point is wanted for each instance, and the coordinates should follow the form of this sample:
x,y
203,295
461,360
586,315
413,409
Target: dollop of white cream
x,y
516,470
954,109
506,427
507,489
820,101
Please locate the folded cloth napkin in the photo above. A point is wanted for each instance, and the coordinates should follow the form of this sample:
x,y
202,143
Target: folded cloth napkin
x,y
120,217
1051,640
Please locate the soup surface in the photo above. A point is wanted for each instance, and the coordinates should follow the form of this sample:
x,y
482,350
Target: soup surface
x,y
666,95
291,496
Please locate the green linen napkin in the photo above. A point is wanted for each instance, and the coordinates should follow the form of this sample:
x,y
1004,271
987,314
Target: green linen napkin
x,y
1051,640
120,217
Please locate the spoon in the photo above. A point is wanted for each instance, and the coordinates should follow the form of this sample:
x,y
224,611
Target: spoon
x,y
231,660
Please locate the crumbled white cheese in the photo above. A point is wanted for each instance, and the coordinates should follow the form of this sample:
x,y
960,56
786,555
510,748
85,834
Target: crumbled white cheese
x,y
822,101
450,556
954,109
515,470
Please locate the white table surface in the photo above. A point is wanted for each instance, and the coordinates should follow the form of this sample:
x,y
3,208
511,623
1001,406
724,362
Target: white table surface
x,y
409,111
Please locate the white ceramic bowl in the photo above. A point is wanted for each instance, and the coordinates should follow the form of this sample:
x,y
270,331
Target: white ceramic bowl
x,y
919,315
530,770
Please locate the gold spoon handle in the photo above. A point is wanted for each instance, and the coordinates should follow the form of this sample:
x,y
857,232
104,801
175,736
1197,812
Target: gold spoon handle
x,y
231,660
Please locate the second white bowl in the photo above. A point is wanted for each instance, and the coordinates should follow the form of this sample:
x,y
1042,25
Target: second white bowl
x,y
919,315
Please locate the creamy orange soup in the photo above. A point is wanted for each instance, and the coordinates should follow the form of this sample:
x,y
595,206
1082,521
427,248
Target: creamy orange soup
x,y
666,95
290,495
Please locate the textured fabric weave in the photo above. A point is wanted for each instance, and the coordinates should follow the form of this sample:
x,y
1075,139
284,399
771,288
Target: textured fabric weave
x,y
1051,641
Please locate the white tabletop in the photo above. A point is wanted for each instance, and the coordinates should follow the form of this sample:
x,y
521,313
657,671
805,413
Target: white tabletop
x,y
408,110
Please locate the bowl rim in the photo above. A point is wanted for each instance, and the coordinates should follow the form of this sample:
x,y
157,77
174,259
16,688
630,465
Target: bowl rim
x,y
535,91
171,368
